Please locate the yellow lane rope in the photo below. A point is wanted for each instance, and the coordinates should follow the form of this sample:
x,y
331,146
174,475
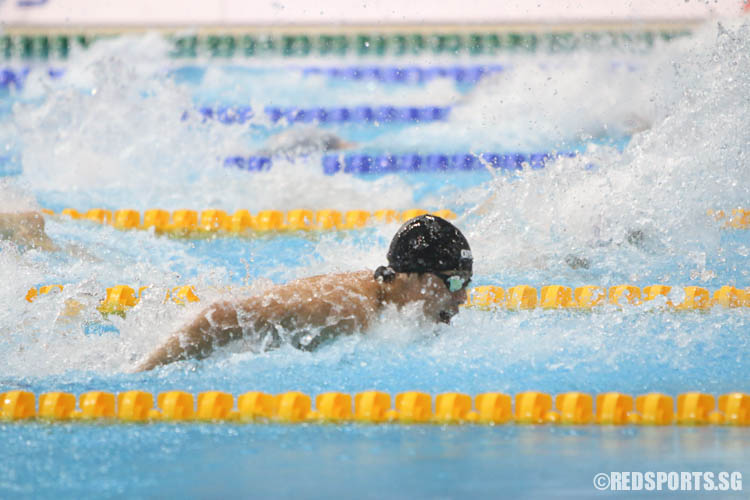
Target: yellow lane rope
x,y
531,407
211,221
190,223
120,298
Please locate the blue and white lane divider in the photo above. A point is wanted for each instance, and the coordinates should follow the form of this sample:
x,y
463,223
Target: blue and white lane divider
x,y
406,74
388,163
356,114
462,74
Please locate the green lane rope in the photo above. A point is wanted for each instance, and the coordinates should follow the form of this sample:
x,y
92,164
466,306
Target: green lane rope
x,y
254,44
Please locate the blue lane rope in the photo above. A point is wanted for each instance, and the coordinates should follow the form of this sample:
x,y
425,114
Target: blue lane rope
x,y
409,75
385,74
366,114
249,163
9,77
389,163
406,74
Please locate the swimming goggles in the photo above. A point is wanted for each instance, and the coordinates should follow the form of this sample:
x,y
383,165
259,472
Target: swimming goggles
x,y
455,280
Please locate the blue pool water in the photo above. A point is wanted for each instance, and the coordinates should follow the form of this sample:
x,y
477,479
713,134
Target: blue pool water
x,y
660,140
204,461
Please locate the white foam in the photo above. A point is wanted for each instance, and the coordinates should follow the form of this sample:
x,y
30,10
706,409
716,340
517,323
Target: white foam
x,y
14,198
112,148
690,160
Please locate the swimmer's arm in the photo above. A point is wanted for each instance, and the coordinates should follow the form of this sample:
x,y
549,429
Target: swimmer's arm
x,y
215,326
296,305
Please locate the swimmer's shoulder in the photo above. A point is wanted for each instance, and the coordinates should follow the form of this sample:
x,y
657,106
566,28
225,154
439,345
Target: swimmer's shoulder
x,y
361,282
343,277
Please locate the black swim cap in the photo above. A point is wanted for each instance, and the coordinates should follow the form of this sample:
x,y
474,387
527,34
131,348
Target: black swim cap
x,y
429,243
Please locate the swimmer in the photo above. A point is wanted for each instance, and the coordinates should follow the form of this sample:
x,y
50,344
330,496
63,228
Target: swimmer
x,y
25,229
634,237
429,262
301,141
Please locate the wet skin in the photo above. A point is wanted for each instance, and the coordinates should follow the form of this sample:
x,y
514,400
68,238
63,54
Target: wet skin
x,y
306,312
26,229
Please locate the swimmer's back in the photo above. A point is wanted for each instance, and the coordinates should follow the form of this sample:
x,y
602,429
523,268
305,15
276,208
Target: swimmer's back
x,y
321,300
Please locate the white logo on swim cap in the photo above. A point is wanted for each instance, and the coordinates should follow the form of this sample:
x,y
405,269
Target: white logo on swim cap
x,y
466,255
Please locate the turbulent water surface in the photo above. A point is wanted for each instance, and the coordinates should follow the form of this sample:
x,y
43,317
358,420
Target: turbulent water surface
x,y
661,136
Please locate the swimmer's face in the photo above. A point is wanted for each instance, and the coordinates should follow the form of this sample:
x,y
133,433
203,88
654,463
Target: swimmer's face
x,y
440,303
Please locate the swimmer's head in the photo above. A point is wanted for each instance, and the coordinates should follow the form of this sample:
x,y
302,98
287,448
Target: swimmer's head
x,y
430,244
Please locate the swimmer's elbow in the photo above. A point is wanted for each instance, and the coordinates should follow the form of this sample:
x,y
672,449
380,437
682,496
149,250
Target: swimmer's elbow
x,y
145,366
177,348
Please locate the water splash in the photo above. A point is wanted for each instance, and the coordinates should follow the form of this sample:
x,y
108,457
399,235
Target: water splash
x,y
110,147
658,188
